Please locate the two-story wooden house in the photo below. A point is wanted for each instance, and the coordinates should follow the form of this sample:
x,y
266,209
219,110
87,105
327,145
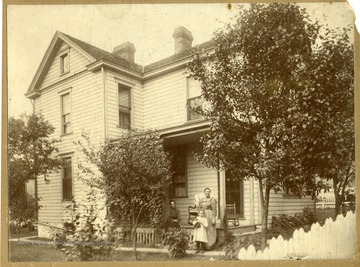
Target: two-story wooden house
x,y
79,87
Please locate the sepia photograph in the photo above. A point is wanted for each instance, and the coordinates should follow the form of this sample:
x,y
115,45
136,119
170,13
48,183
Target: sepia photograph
x,y
206,132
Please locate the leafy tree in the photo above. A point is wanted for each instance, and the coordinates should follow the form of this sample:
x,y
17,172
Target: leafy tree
x,y
135,172
325,114
251,83
31,153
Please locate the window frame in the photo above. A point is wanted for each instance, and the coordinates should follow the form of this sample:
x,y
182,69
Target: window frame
x,y
63,199
62,62
62,115
190,115
172,189
124,109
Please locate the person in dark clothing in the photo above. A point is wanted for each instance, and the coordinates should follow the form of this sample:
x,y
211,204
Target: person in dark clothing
x,y
173,218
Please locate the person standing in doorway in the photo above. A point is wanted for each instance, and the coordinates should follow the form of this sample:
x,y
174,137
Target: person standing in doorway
x,y
208,204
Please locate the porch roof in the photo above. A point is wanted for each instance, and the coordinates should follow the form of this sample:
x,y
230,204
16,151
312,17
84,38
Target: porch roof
x,y
185,134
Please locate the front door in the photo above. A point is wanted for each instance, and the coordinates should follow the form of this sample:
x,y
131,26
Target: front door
x,y
234,191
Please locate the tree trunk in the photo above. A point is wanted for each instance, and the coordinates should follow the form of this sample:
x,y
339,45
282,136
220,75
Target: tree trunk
x,y
133,235
36,198
338,199
265,212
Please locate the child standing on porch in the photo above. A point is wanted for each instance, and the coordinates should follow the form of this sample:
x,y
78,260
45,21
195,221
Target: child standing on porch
x,y
200,236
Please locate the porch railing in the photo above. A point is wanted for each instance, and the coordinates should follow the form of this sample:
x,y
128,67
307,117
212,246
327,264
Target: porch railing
x,y
147,236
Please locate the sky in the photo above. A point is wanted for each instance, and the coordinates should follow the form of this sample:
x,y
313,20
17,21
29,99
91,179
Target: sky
x,y
149,27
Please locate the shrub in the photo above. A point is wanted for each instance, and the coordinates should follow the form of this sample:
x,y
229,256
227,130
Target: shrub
x,y
233,247
59,238
285,225
89,240
178,242
281,225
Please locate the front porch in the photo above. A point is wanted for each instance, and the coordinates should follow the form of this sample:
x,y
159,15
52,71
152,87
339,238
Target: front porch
x,y
150,237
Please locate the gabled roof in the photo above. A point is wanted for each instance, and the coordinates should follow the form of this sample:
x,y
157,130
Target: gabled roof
x,y
99,54
96,54
178,56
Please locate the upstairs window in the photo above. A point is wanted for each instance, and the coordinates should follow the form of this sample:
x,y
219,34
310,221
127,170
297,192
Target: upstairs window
x,y
178,187
67,180
66,113
64,63
124,106
193,99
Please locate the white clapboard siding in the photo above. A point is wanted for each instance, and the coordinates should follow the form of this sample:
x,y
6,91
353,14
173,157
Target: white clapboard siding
x,y
334,240
165,101
280,204
112,108
77,64
87,113
199,178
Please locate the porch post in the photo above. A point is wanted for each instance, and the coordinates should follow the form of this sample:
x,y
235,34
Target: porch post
x,y
218,185
252,206
260,203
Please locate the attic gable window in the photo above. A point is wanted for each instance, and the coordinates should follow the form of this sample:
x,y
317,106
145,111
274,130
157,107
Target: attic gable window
x,y
64,63
124,100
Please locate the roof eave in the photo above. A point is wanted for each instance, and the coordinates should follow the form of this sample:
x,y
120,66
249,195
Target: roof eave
x,y
47,56
96,66
32,94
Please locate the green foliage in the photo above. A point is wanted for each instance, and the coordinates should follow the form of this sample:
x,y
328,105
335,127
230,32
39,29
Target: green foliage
x,y
177,241
91,239
31,152
270,90
285,225
59,238
134,174
324,114
234,245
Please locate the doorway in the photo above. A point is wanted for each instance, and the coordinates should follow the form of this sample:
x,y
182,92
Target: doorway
x,y
234,193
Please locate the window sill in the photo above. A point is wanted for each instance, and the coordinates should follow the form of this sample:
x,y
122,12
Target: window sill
x,y
65,134
194,120
66,201
122,127
65,73
177,197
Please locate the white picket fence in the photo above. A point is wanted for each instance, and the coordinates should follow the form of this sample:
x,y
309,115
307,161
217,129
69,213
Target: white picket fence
x,y
326,199
334,240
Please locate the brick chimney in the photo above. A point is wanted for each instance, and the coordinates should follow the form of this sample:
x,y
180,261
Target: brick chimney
x,y
183,39
126,50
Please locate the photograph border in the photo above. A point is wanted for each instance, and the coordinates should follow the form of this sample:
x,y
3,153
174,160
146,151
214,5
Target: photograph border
x,y
4,183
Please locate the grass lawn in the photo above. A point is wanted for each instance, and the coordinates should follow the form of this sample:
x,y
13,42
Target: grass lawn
x,y
30,252
23,233
23,251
